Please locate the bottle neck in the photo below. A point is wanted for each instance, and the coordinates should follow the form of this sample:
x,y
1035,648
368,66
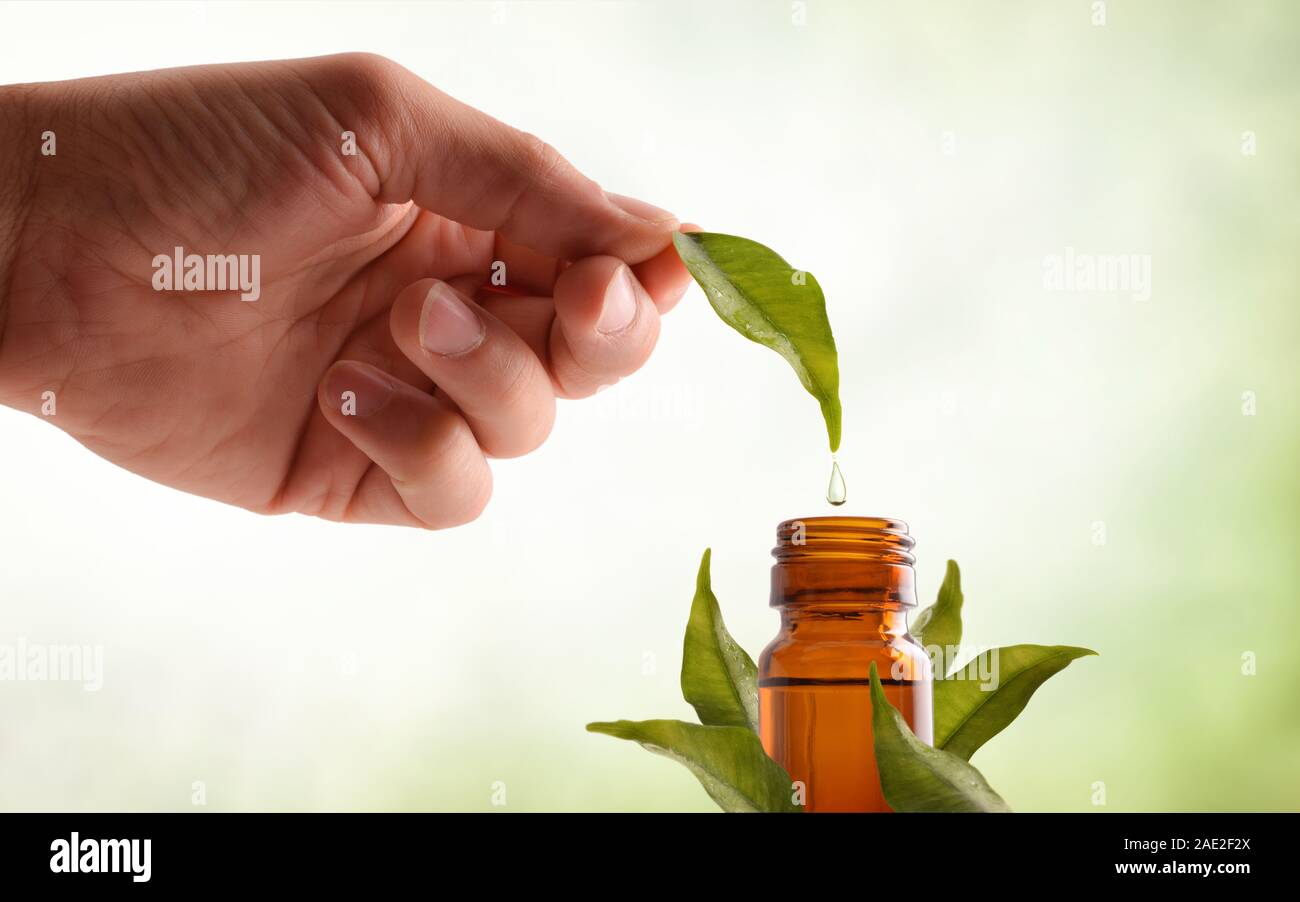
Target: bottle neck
x,y
847,623
855,568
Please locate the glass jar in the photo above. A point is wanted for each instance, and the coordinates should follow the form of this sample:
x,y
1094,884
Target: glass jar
x,y
843,586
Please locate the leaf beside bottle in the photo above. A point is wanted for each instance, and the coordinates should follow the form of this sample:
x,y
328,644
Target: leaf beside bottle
x,y
729,762
768,301
968,711
718,678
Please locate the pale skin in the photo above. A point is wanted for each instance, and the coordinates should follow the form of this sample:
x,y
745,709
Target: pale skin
x,y
378,371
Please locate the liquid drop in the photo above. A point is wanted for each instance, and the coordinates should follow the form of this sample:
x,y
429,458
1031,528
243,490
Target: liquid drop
x,y
836,492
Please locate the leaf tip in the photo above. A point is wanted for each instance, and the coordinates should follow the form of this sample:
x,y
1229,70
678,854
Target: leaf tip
x,y
880,705
833,414
703,579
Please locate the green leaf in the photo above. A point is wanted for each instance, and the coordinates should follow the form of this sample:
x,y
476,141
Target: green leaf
x,y
966,715
729,762
940,623
915,777
718,678
766,300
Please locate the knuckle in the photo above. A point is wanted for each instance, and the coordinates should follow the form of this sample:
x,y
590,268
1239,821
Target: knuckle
x,y
364,85
539,163
371,69
530,170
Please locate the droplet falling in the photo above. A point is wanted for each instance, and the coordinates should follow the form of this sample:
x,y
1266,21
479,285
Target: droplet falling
x,y
836,492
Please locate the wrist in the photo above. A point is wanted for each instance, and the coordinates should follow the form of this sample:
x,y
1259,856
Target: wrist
x,y
20,144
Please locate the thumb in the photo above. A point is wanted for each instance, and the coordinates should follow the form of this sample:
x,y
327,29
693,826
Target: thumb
x,y
462,164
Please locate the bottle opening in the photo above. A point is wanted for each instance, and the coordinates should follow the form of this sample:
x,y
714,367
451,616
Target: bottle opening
x,y
879,539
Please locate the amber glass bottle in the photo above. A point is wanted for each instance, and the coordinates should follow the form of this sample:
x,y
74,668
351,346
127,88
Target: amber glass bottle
x,y
843,586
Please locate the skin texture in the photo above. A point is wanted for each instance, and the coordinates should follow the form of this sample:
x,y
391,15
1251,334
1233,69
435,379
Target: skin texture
x,y
245,402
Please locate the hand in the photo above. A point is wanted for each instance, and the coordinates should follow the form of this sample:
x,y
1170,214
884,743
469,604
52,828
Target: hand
x,y
379,367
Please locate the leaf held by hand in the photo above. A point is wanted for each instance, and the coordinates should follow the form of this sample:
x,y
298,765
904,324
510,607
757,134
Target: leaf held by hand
x,y
729,762
718,678
916,777
766,300
967,715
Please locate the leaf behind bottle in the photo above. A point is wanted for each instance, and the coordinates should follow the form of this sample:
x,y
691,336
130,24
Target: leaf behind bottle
x,y
967,715
940,624
718,678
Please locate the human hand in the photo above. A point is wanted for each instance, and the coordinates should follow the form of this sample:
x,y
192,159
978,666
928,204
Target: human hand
x,y
378,368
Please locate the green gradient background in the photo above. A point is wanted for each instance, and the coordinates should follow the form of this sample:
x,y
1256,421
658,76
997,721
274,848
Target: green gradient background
x,y
1001,420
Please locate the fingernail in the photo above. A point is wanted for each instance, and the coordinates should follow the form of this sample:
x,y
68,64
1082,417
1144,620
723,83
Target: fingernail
x,y
639,208
619,306
447,325
358,391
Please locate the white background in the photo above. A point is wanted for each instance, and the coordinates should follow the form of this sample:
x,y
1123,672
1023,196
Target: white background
x,y
290,663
